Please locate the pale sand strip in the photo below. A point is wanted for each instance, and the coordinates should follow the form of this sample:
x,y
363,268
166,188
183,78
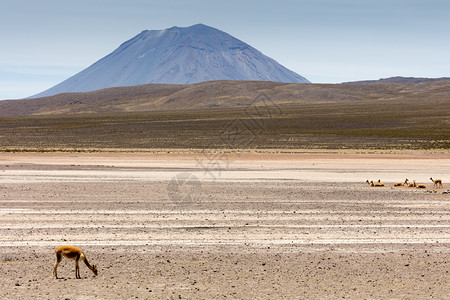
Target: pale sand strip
x,y
203,226
445,242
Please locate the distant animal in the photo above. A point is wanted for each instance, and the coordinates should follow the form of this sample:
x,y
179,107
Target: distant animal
x,y
371,183
437,182
74,253
401,183
379,183
412,184
421,186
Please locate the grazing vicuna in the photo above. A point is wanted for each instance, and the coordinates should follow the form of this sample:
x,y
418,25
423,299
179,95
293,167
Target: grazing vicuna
x,y
74,253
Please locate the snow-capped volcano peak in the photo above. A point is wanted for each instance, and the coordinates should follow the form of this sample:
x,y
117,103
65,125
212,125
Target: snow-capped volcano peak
x,y
177,55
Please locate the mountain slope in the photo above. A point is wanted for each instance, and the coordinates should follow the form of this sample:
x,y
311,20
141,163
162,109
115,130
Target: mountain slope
x,y
177,56
400,80
226,94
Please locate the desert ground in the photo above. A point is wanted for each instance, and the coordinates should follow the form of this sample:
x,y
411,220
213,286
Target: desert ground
x,y
225,226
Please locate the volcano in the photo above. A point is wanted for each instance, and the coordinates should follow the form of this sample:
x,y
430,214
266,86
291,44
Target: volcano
x,y
177,55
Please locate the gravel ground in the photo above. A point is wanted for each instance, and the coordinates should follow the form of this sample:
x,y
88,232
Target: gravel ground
x,y
195,226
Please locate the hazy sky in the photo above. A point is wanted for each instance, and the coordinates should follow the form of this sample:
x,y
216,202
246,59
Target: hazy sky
x,y
45,42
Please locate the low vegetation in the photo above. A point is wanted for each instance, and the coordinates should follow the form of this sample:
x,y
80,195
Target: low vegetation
x,y
368,125
228,115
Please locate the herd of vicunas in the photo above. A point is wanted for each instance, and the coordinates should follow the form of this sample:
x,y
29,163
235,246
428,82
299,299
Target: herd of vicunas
x,y
437,183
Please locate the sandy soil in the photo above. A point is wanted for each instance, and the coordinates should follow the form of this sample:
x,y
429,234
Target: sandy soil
x,y
197,226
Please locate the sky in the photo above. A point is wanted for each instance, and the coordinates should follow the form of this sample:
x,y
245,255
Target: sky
x,y
327,41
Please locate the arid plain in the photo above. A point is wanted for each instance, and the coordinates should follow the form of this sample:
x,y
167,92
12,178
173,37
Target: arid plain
x,y
235,226
276,207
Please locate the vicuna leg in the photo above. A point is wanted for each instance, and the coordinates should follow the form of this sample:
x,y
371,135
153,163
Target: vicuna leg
x,y
58,260
77,269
